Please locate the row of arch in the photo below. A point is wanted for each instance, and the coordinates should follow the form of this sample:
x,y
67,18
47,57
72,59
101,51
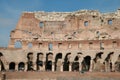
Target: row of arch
x,y
60,64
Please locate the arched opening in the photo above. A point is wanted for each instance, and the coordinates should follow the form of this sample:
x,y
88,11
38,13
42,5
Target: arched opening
x,y
21,66
75,64
117,64
30,61
12,66
18,44
39,61
50,46
66,62
49,58
1,62
86,63
108,62
49,66
58,61
41,24
98,65
110,22
86,23
30,45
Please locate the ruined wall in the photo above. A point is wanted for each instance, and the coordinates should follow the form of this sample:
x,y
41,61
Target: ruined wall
x,y
64,39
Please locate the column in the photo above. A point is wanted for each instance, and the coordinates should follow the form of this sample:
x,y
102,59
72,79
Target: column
x,y
7,66
113,66
53,66
70,66
25,69
34,66
91,65
80,66
43,67
61,67
16,66
0,67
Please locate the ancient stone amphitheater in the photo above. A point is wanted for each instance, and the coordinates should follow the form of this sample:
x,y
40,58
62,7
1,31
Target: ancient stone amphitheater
x,y
79,41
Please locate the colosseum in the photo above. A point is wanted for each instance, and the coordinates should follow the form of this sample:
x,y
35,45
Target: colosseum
x,y
84,40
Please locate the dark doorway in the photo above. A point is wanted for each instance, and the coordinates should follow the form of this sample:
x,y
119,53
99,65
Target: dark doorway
x,y
21,66
75,66
86,63
39,61
30,61
49,66
49,57
12,66
66,63
1,62
58,56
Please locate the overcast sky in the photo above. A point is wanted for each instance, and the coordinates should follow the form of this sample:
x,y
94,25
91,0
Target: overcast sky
x,y
10,10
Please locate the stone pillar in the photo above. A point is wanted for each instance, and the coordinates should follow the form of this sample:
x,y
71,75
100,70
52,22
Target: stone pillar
x,y
43,67
34,66
70,66
61,67
113,66
7,66
0,67
16,66
80,66
107,66
91,65
26,66
53,66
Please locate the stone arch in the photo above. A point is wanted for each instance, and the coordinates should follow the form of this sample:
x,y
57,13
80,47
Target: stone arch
x,y
30,61
12,66
2,62
49,59
39,61
58,61
75,64
1,54
117,64
98,62
21,66
66,62
86,63
108,62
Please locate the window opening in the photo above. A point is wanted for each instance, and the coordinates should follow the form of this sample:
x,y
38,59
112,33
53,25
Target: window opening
x,y
86,23
50,46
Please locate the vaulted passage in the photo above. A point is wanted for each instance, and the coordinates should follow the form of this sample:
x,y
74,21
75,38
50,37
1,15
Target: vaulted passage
x,y
12,66
58,61
30,61
39,61
1,62
66,62
86,63
49,58
75,64
21,66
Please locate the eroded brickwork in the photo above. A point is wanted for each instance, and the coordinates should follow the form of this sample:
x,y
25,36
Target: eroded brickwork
x,y
84,40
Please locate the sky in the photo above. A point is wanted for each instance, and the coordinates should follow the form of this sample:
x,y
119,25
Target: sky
x,y
11,10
